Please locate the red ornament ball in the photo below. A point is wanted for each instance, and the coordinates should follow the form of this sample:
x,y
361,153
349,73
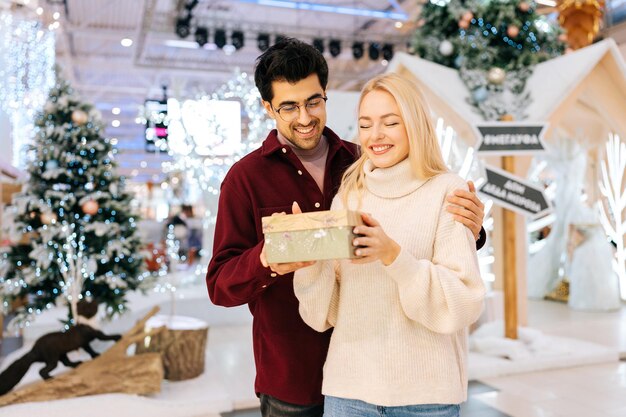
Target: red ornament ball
x,y
468,15
79,117
48,218
523,6
464,24
90,207
512,31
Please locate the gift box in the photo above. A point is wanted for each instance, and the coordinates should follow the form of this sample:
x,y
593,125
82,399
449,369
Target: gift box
x,y
310,236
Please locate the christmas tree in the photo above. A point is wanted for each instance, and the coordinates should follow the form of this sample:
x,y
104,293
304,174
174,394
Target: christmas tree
x,y
493,43
73,229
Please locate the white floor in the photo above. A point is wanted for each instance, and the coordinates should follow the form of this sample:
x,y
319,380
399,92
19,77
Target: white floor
x,y
583,391
226,385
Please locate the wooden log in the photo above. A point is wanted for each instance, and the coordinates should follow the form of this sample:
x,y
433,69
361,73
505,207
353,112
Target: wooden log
x,y
112,371
510,263
182,345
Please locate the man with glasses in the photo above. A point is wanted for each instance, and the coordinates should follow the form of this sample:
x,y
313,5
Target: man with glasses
x,y
300,161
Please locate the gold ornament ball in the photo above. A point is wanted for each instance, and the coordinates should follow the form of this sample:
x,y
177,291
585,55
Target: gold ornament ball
x,y
48,218
496,75
512,31
523,6
464,24
90,207
507,118
79,117
468,15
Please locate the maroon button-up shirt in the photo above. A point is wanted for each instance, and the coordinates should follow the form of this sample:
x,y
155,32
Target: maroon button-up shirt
x,y
289,355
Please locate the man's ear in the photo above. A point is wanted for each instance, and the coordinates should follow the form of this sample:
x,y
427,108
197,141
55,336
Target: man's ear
x,y
268,108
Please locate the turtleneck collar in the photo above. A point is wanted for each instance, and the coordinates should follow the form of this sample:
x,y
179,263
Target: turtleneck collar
x,y
307,154
393,182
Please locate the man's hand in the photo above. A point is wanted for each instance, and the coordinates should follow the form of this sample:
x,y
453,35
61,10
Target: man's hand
x,y
467,209
284,268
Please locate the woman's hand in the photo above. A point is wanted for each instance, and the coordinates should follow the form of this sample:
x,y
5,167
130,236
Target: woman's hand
x,y
373,244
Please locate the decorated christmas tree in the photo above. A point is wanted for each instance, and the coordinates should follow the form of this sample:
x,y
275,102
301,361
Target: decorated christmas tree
x,y
73,230
494,45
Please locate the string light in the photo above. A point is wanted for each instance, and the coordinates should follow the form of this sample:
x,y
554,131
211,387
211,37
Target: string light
x,y
26,75
204,166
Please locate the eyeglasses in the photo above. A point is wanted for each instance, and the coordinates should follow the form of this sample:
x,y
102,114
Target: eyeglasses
x,y
290,112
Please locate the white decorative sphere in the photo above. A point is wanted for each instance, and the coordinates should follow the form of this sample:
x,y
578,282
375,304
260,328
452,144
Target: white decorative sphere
x,y
91,266
52,164
496,75
446,48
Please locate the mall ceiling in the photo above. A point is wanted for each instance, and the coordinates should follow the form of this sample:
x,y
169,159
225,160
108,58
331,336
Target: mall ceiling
x,y
111,75
118,53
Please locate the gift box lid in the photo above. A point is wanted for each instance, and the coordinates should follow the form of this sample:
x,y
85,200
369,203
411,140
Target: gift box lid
x,y
310,220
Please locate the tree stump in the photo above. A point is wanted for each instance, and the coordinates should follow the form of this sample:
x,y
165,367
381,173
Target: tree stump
x,y
112,371
182,345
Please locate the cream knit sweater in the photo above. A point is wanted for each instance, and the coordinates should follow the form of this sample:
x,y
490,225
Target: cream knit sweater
x,y
400,334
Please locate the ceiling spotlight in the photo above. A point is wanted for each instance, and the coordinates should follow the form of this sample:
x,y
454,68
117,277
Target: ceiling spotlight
x,y
374,51
220,38
126,42
190,4
387,51
237,39
201,36
183,26
357,50
334,46
318,44
263,42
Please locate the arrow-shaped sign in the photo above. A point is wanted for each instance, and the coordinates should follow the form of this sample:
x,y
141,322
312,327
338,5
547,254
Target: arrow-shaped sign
x,y
510,138
514,193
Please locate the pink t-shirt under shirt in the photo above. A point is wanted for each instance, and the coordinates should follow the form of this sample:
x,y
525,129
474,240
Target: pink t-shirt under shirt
x,y
313,160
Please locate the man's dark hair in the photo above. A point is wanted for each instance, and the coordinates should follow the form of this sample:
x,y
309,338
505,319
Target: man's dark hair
x,y
288,60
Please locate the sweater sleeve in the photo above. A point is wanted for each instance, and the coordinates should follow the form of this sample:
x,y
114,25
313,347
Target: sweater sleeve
x,y
235,274
317,290
445,293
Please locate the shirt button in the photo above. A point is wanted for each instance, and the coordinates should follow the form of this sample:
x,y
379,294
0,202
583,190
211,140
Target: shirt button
x,y
317,205
284,150
273,274
299,172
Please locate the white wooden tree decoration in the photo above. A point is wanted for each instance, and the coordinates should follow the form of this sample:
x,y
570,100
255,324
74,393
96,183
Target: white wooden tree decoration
x,y
612,207
72,267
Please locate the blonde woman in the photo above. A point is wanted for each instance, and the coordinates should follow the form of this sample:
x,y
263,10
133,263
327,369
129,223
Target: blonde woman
x,y
401,310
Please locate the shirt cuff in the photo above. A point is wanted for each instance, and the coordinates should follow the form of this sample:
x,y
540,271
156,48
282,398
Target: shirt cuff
x,y
482,239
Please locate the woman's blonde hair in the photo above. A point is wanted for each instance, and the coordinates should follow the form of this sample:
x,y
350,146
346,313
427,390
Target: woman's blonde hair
x,y
424,151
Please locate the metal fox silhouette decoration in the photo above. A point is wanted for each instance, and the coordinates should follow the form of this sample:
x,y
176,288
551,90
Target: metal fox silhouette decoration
x,y
53,348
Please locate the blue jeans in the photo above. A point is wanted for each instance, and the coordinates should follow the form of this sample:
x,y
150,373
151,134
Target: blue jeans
x,y
273,407
343,407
